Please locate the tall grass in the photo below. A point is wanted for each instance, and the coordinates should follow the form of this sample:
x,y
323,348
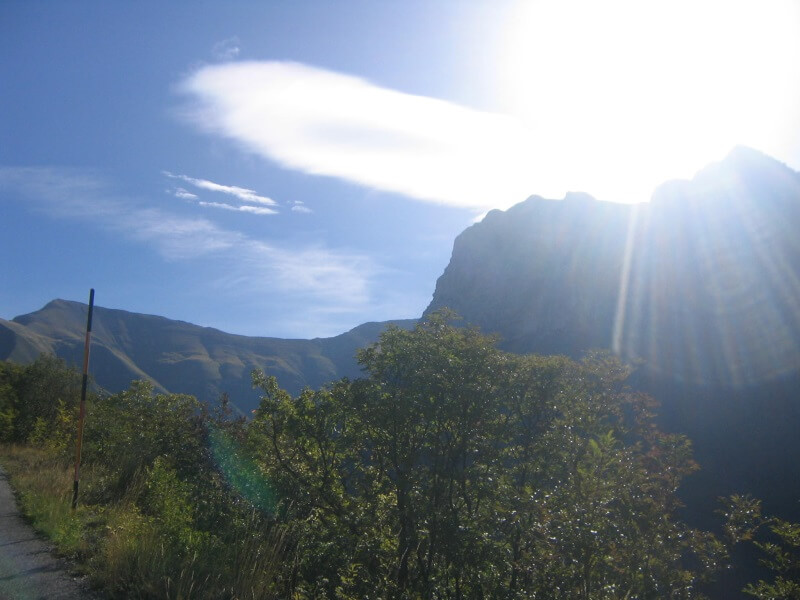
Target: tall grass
x,y
137,560
43,485
132,555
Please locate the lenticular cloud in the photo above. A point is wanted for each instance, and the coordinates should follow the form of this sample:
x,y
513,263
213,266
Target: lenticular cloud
x,y
325,123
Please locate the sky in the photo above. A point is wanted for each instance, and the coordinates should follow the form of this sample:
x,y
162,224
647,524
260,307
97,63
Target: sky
x,y
294,169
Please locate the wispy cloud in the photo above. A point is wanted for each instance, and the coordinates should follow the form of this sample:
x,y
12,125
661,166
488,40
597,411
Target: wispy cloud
x,y
226,49
184,194
300,207
245,208
220,205
256,210
328,278
243,194
326,123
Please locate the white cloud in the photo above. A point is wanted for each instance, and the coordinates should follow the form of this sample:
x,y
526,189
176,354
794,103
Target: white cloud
x,y
184,194
615,110
226,49
243,194
220,205
316,270
175,238
299,206
328,278
187,195
258,210
325,123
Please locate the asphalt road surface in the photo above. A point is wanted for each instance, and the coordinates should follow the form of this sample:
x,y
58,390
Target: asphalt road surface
x,y
28,568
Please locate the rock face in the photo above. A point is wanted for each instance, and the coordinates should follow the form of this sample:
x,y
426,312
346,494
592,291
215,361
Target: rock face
x,y
181,357
544,274
701,287
702,284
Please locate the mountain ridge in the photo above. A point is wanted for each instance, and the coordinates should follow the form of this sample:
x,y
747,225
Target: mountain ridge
x,y
564,276
700,289
178,356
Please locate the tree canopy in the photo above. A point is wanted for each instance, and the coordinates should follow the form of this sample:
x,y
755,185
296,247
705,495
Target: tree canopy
x,y
454,470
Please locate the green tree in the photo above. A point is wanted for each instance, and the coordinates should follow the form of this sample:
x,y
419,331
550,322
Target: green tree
x,y
10,375
126,432
309,449
453,470
778,540
36,397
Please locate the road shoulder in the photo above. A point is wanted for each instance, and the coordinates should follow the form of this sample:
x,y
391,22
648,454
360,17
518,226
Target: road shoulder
x,y
28,568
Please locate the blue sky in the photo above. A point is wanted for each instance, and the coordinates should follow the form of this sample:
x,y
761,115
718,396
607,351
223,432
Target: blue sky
x,y
295,169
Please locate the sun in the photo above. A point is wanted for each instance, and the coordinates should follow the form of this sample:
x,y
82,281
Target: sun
x,y
627,94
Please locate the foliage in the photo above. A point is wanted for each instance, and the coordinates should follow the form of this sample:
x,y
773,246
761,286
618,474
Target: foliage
x,y
10,375
450,470
128,431
35,399
778,540
456,471
157,517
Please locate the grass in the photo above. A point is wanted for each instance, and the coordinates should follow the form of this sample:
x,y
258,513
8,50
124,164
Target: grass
x,y
128,554
44,489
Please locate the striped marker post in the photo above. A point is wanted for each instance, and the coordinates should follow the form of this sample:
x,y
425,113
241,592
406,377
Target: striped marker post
x,y
82,414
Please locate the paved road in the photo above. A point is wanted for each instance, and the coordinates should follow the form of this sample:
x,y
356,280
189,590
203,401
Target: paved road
x,y
28,569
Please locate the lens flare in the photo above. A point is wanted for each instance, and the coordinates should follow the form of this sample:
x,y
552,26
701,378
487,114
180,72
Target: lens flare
x,y
242,473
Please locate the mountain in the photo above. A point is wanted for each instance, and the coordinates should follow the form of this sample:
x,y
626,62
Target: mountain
x,y
544,274
700,288
181,357
701,284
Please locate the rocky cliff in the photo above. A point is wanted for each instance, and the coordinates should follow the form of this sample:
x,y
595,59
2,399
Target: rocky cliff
x,y
702,283
700,288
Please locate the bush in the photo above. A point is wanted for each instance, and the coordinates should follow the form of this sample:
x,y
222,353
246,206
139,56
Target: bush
x,y
125,433
456,470
35,397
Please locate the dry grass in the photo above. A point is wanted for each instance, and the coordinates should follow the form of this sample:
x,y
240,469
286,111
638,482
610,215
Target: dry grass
x,y
127,553
44,487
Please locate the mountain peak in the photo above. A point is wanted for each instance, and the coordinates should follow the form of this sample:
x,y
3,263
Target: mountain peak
x,y
741,166
62,303
579,197
745,154
546,275
746,161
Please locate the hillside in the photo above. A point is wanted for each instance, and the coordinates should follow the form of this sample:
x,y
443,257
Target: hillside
x,y
700,288
179,356
701,283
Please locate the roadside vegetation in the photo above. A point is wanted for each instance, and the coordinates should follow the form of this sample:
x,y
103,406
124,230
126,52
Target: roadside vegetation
x,y
450,470
156,518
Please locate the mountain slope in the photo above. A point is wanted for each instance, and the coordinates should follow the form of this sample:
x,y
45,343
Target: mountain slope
x,y
702,283
179,356
701,287
544,274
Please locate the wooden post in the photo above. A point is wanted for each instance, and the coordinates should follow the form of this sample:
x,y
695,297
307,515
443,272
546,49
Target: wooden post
x,y
82,414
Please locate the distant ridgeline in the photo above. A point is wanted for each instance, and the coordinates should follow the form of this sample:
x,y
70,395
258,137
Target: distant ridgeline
x,y
700,287
180,357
